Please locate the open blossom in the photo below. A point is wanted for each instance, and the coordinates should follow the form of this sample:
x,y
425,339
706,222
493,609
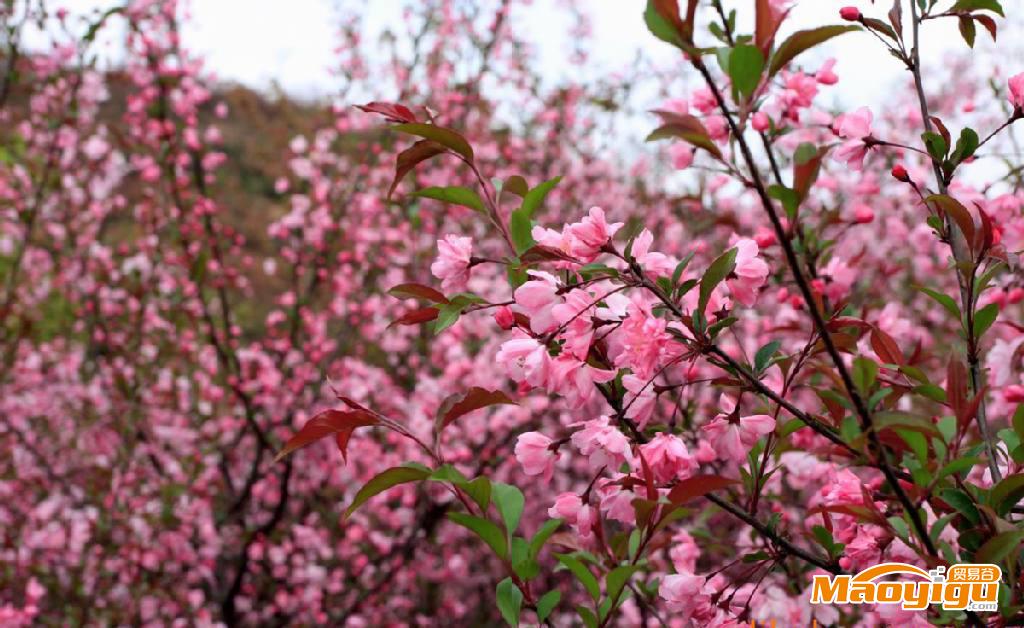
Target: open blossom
x,y
452,263
525,360
681,155
603,443
534,453
732,436
1016,84
687,595
653,263
570,507
592,233
668,458
751,272
575,380
855,128
536,298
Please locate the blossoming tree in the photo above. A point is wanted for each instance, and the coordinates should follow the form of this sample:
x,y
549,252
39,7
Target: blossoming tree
x,y
561,393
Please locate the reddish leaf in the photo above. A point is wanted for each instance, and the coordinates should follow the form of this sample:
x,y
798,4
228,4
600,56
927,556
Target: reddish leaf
x,y
417,291
392,112
475,399
988,23
652,491
987,234
416,317
541,253
802,41
685,127
839,322
411,157
697,486
886,348
768,22
860,513
441,135
329,422
956,385
943,131
958,213
806,173
971,409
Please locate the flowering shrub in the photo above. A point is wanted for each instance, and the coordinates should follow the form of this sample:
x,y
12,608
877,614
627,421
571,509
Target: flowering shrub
x,y
560,395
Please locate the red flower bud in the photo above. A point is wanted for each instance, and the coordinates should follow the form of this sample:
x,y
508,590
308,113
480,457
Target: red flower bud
x,y
851,14
504,317
900,173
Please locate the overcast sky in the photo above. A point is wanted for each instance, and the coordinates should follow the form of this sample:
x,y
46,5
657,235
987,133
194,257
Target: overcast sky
x,y
290,42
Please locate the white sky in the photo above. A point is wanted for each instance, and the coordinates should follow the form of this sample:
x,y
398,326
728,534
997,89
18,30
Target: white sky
x,y
291,42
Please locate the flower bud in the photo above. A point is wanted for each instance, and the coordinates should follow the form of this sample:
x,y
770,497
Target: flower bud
x,y
851,14
863,214
504,317
761,122
899,172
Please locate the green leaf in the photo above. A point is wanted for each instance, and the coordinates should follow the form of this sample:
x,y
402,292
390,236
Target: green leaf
x,y
516,185
968,31
479,490
966,145
962,503
999,547
789,198
659,26
486,530
746,64
587,616
547,603
383,481
617,578
1007,493
542,536
445,137
509,501
1018,421
978,5
510,601
520,227
865,372
958,466
936,144
944,300
582,574
456,195
802,41
447,315
716,273
535,197
984,318
765,354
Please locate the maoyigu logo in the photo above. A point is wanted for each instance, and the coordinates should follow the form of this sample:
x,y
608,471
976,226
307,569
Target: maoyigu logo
x,y
972,587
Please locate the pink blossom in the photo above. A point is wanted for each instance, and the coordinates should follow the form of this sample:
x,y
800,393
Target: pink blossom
x,y
524,360
761,122
534,453
732,436
1016,84
536,298
751,272
654,263
686,595
603,443
452,263
825,75
681,155
592,233
668,458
